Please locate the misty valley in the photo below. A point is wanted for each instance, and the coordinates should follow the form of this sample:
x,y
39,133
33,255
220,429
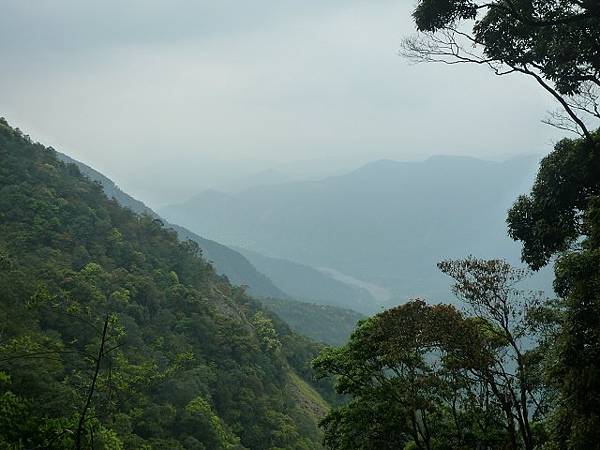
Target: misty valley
x,y
227,226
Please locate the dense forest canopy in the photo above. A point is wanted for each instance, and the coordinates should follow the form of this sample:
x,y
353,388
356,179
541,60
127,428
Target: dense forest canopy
x,y
226,261
117,335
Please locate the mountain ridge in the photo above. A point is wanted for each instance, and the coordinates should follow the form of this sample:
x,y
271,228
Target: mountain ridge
x,y
387,222
310,285
302,314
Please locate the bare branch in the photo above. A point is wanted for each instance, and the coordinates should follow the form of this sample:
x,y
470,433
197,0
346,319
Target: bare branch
x,y
451,46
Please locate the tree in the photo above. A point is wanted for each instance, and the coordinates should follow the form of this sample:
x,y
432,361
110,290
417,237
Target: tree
x,y
561,218
432,377
489,290
549,220
409,374
556,42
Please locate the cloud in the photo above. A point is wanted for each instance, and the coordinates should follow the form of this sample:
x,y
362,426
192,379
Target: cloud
x,y
200,91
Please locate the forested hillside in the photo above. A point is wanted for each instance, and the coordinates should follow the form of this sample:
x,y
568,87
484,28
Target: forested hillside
x,y
300,282
225,260
114,334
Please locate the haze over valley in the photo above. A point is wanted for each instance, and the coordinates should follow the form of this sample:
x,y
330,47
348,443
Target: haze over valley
x,y
386,224
284,225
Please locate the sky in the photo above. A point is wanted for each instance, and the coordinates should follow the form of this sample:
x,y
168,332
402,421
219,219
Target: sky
x,y
169,98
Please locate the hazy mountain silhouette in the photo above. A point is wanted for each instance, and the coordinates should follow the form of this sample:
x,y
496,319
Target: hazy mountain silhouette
x,y
387,222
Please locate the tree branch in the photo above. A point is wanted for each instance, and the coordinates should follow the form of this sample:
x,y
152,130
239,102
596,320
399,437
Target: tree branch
x,y
82,417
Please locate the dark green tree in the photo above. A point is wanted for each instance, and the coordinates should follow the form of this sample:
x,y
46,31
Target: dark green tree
x,y
556,42
418,376
561,217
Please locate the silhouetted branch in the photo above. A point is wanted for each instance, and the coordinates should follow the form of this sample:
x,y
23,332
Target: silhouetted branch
x,y
82,417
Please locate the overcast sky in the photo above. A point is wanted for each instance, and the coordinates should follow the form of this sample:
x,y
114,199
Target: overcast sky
x,y
170,97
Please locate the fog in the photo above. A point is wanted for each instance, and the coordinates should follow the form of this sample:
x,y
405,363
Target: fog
x,y
171,98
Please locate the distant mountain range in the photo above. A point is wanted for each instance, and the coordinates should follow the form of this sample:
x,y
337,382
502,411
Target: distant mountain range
x,y
309,284
387,223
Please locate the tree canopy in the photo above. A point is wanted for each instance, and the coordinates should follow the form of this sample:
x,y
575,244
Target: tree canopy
x,y
560,218
556,42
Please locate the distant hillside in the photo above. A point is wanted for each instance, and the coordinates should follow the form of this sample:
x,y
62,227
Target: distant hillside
x,y
322,323
226,261
308,284
387,223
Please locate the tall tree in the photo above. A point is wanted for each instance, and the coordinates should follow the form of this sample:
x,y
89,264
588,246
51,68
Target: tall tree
x,y
561,217
556,42
427,377
489,289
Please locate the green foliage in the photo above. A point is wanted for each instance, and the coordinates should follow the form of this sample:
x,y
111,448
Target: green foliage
x,y
266,333
561,217
557,42
225,260
328,324
549,219
431,377
560,38
202,416
409,373
188,361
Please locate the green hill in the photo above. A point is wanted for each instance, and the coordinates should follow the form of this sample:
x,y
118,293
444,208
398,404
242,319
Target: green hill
x,y
115,331
302,282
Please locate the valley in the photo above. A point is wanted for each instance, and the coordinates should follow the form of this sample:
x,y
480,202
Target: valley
x,y
283,225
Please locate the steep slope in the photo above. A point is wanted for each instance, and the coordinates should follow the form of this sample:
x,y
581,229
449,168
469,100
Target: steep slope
x,y
388,222
225,260
114,331
322,323
307,284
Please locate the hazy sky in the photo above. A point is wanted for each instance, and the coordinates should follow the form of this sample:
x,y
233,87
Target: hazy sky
x,y
170,97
